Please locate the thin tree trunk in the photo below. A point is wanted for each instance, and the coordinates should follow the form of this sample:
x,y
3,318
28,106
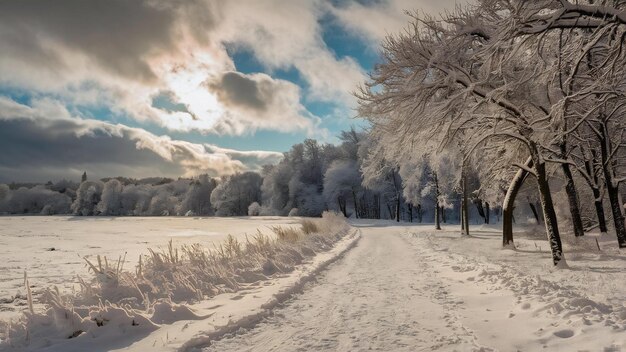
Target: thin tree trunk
x,y
593,183
437,223
479,206
398,208
611,188
419,212
443,214
534,210
356,208
509,202
487,212
572,196
342,206
547,205
410,212
462,207
465,209
599,210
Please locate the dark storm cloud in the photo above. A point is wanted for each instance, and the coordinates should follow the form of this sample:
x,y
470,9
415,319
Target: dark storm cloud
x,y
237,89
42,142
27,142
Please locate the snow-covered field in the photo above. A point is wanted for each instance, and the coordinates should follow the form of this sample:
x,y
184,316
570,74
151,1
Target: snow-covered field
x,y
387,287
26,243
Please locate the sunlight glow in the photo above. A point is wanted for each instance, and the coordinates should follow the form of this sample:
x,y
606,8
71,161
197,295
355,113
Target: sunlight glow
x,y
189,85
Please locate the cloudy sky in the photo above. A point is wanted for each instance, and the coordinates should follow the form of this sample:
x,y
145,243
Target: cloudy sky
x,y
143,88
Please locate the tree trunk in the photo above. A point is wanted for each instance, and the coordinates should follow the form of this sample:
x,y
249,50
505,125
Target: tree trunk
x,y
534,210
342,206
356,208
465,210
479,206
509,202
462,207
419,212
410,212
599,210
572,196
398,208
547,205
487,213
611,188
593,182
443,214
437,223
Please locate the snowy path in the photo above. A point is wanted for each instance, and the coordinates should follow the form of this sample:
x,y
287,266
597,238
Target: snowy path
x,y
383,295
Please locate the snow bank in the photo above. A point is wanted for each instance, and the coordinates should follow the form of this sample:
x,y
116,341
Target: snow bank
x,y
132,304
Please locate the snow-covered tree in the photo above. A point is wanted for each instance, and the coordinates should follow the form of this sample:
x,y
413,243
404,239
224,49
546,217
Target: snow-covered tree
x,y
111,200
342,184
235,193
197,199
254,209
88,196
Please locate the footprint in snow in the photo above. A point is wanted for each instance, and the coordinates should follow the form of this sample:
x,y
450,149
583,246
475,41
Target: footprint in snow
x,y
564,334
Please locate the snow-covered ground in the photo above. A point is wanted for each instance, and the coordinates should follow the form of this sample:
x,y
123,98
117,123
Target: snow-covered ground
x,y
407,288
26,243
415,289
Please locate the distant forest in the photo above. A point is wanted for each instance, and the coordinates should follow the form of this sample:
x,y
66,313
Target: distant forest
x,y
310,179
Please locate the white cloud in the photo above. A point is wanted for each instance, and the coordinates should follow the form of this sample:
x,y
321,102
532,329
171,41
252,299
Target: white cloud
x,y
286,34
375,20
46,141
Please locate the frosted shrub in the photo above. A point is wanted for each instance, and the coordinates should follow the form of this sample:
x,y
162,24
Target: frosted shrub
x,y
254,209
309,226
333,222
36,200
293,212
111,202
88,196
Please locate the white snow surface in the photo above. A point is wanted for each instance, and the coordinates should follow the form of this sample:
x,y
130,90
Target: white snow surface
x,y
394,287
25,243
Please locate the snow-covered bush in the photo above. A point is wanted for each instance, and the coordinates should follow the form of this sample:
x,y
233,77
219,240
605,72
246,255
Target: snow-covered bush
x,y
88,196
293,212
136,199
36,200
111,202
254,209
